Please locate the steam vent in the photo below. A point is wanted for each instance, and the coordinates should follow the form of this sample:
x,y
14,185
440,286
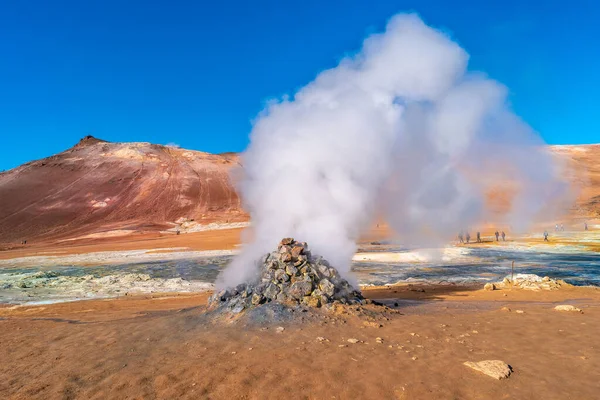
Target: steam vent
x,y
290,276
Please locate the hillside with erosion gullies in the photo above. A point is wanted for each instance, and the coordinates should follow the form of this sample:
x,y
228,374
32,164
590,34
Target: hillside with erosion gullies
x,y
97,187
100,189
583,168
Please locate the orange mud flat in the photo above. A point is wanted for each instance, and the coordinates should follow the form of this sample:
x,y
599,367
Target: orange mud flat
x,y
161,347
225,239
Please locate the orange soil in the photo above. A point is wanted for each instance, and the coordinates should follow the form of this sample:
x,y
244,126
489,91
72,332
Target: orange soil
x,y
160,348
225,239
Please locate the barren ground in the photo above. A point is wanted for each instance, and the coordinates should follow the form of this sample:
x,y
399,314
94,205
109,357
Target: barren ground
x,y
160,347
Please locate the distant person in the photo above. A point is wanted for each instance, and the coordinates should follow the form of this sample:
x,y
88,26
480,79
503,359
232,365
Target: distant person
x,y
503,236
585,226
461,237
178,232
478,237
545,236
497,234
468,236
556,228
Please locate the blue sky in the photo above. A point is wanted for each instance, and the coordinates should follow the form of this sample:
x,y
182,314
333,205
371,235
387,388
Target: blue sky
x,y
196,73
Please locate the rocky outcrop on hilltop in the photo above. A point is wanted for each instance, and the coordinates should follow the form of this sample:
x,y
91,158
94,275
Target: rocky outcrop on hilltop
x,y
292,277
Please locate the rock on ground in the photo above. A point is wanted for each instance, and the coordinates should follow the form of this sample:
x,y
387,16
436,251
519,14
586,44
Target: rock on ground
x,y
567,307
528,282
495,368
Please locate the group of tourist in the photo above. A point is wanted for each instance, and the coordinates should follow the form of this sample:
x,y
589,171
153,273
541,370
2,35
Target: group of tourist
x,y
466,237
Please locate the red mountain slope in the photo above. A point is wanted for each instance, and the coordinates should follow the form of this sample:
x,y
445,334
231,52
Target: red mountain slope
x,y
97,186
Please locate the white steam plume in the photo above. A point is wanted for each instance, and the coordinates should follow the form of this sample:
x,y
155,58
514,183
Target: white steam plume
x,y
401,130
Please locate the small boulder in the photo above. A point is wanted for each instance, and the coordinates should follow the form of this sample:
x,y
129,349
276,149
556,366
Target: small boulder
x,y
489,286
281,276
302,259
312,301
291,270
238,308
271,291
494,368
257,299
299,289
567,307
327,287
297,251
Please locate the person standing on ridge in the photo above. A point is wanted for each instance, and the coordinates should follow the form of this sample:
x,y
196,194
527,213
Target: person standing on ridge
x,y
478,237
585,226
497,234
503,236
545,236
468,237
461,237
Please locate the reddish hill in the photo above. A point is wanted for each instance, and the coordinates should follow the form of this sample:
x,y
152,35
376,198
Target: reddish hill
x,y
99,186
584,172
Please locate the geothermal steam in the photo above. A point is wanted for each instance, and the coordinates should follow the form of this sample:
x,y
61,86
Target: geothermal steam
x,y
400,130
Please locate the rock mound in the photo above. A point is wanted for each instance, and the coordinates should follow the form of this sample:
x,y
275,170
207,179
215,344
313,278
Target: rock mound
x,y
528,282
567,307
289,276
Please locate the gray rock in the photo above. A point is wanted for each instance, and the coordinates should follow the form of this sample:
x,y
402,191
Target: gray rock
x,y
238,308
257,299
327,287
281,276
324,270
291,270
271,291
260,289
299,289
281,297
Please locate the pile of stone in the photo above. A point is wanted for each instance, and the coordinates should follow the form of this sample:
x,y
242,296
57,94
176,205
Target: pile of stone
x,y
290,276
527,282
